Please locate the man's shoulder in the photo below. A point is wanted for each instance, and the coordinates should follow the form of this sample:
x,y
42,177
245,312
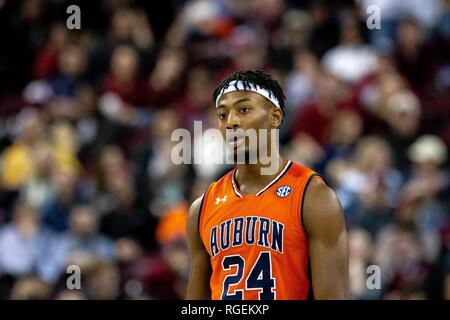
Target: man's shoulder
x,y
8,231
321,205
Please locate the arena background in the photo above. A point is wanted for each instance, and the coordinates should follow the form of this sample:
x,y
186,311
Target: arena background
x,y
86,117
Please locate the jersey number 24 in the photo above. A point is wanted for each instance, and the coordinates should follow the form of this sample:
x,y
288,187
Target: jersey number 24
x,y
260,277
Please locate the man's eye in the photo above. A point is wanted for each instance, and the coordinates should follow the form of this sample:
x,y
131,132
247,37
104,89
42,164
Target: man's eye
x,y
222,116
244,110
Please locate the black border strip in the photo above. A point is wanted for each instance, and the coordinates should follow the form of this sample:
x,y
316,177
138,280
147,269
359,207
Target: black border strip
x,y
310,295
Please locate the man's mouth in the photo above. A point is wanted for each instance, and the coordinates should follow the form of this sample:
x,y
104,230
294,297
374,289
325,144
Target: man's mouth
x,y
236,142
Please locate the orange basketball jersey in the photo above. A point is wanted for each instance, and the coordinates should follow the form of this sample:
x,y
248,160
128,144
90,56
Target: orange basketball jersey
x,y
257,245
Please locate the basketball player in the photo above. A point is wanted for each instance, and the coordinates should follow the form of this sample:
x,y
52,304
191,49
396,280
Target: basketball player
x,y
256,236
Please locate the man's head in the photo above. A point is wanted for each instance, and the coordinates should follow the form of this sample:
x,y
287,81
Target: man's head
x,y
252,77
248,99
83,222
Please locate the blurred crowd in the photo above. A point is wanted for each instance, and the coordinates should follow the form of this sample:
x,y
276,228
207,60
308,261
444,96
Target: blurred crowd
x,y
86,118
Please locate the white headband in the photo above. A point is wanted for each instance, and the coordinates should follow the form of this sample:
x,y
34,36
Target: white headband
x,y
238,85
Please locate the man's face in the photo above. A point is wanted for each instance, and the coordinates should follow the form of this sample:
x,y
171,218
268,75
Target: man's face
x,y
243,110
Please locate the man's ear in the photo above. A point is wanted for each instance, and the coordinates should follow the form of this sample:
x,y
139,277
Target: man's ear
x,y
276,117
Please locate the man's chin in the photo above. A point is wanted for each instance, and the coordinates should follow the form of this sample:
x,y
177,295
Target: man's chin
x,y
244,156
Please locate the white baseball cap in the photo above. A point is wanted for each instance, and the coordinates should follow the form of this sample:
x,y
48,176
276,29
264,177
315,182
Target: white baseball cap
x,y
428,148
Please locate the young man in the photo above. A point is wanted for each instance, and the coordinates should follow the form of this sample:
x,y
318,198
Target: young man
x,y
259,236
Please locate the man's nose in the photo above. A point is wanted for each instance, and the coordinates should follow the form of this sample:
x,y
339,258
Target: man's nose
x,y
233,121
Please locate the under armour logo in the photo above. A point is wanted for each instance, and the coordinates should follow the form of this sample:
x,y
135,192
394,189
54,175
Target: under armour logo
x,y
219,200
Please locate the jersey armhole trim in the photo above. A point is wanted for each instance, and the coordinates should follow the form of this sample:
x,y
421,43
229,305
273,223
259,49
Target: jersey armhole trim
x,y
310,295
200,212
311,177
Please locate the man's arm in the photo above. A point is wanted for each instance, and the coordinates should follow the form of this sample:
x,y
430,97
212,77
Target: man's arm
x,y
200,265
328,249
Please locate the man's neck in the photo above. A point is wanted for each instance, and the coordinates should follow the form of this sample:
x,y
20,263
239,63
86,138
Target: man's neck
x,y
250,178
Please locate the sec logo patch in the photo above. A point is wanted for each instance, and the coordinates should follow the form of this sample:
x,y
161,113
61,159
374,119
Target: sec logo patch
x,y
283,191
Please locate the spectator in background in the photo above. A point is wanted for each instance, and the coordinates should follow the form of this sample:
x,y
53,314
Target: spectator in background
x,y
441,284
402,114
247,46
65,146
123,78
425,13
346,129
311,128
143,275
102,281
425,190
127,27
325,31
301,81
45,63
403,263
314,119
30,288
351,60
172,226
17,167
160,182
37,190
25,245
372,92
360,248
71,63
293,35
124,97
65,193
109,162
195,103
89,125
125,214
130,255
82,237
415,60
17,164
407,247
171,235
428,179
165,80
266,12
368,187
